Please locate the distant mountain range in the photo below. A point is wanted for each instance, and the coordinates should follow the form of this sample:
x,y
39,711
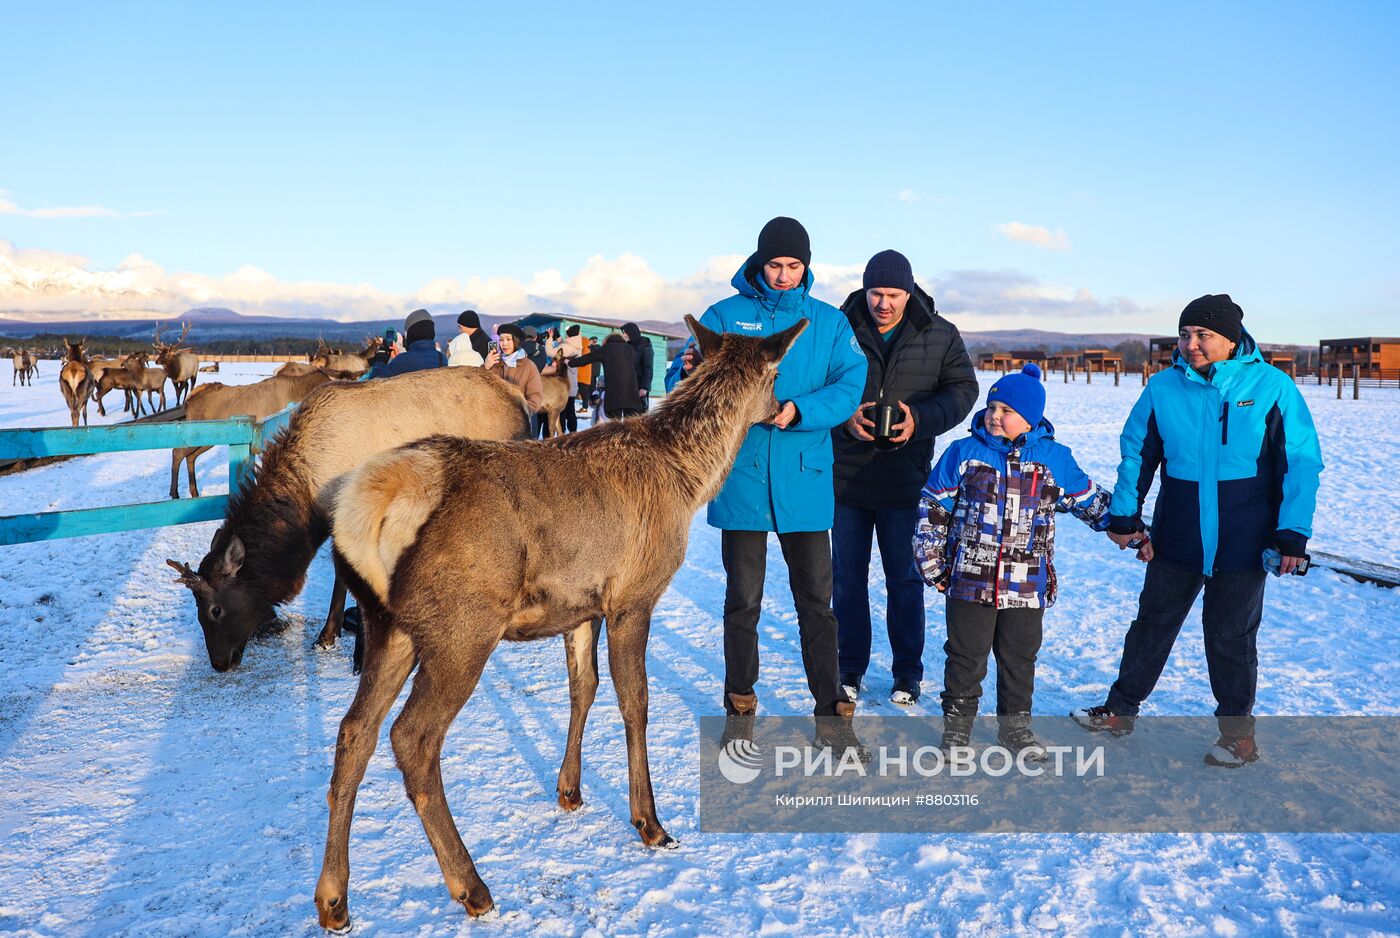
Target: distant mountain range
x,y
212,323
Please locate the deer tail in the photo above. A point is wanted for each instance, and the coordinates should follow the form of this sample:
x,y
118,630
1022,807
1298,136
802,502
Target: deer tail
x,y
381,508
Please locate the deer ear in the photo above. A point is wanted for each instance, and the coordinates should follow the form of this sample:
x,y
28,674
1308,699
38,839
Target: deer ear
x,y
233,556
707,339
777,345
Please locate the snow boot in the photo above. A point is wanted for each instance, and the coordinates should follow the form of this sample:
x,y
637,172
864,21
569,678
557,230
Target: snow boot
x,y
836,733
1014,732
905,692
958,714
1103,720
850,683
1231,752
740,710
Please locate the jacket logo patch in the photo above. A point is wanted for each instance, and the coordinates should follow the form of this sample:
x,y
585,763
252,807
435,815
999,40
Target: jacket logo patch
x,y
855,346
1244,404
750,326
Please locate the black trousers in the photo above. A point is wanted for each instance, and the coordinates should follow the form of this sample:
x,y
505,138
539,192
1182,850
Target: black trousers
x,y
974,631
1234,604
568,419
808,557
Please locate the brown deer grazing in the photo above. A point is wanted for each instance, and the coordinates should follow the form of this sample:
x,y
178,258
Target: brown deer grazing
x,y
181,365
75,380
221,401
412,524
281,514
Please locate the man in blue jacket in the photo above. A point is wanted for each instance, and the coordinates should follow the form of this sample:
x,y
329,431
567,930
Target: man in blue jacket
x,y
781,480
421,350
1240,463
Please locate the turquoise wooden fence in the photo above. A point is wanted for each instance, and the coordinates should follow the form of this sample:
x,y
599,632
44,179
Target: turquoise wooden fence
x,y
243,436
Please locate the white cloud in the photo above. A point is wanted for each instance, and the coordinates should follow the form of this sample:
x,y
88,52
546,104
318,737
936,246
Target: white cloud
x,y
9,207
1038,235
909,196
48,284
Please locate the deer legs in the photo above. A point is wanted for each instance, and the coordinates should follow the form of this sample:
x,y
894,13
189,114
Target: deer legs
x,y
627,649
440,688
335,617
581,655
389,661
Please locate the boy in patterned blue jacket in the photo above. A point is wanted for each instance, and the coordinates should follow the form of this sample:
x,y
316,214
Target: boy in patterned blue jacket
x,y
986,539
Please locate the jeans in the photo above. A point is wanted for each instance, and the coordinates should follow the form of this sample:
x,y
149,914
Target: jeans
x,y
1013,635
1234,604
904,587
808,556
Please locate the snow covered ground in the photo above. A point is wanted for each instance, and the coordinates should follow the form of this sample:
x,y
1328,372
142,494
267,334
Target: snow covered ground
x,y
142,794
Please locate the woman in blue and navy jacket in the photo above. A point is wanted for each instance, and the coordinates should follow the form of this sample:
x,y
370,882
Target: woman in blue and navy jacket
x,y
1238,458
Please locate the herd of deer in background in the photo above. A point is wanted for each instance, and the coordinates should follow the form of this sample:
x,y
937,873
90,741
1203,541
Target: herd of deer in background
x,y
84,379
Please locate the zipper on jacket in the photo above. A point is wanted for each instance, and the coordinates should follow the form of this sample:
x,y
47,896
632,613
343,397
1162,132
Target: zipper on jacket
x,y
1224,422
1001,528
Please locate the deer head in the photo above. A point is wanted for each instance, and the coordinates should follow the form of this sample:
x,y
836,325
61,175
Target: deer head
x,y
163,350
230,610
77,351
749,354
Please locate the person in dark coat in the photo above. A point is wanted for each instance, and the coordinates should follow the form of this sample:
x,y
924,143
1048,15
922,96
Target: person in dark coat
x,y
917,365
619,362
421,349
645,360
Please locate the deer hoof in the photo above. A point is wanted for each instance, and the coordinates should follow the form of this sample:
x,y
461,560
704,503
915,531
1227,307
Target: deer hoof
x,y
653,835
477,901
333,913
570,799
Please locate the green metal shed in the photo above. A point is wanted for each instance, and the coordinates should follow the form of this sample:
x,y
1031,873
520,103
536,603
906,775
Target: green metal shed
x,y
598,329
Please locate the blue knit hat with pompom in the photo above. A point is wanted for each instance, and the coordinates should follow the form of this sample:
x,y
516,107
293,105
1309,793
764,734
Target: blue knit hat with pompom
x,y
1023,393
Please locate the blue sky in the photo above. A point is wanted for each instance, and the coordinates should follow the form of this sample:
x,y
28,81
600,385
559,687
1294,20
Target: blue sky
x,y
455,152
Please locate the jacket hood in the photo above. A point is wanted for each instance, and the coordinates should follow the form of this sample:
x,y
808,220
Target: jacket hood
x,y
633,332
756,288
1045,430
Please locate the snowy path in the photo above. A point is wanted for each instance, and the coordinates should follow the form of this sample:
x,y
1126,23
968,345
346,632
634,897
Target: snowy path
x,y
142,794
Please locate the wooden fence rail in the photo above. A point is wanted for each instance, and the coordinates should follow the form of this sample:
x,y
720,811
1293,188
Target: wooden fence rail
x,y
243,436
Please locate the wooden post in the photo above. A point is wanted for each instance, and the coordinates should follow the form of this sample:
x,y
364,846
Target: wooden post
x,y
1144,374
1065,363
1356,382
1088,372
1338,369
1117,372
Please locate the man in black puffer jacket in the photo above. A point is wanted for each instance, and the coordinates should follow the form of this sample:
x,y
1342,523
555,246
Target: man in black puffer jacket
x,y
619,361
919,367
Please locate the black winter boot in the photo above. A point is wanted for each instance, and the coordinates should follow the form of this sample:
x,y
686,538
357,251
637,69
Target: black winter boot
x,y
958,714
740,710
1014,732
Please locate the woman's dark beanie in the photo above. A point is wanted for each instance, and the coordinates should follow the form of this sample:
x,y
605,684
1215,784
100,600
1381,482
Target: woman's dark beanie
x,y
889,269
418,326
470,319
511,328
783,237
1216,312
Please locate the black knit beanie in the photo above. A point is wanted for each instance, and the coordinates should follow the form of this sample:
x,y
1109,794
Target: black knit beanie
x,y
470,319
889,269
572,330
418,325
1216,312
783,237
